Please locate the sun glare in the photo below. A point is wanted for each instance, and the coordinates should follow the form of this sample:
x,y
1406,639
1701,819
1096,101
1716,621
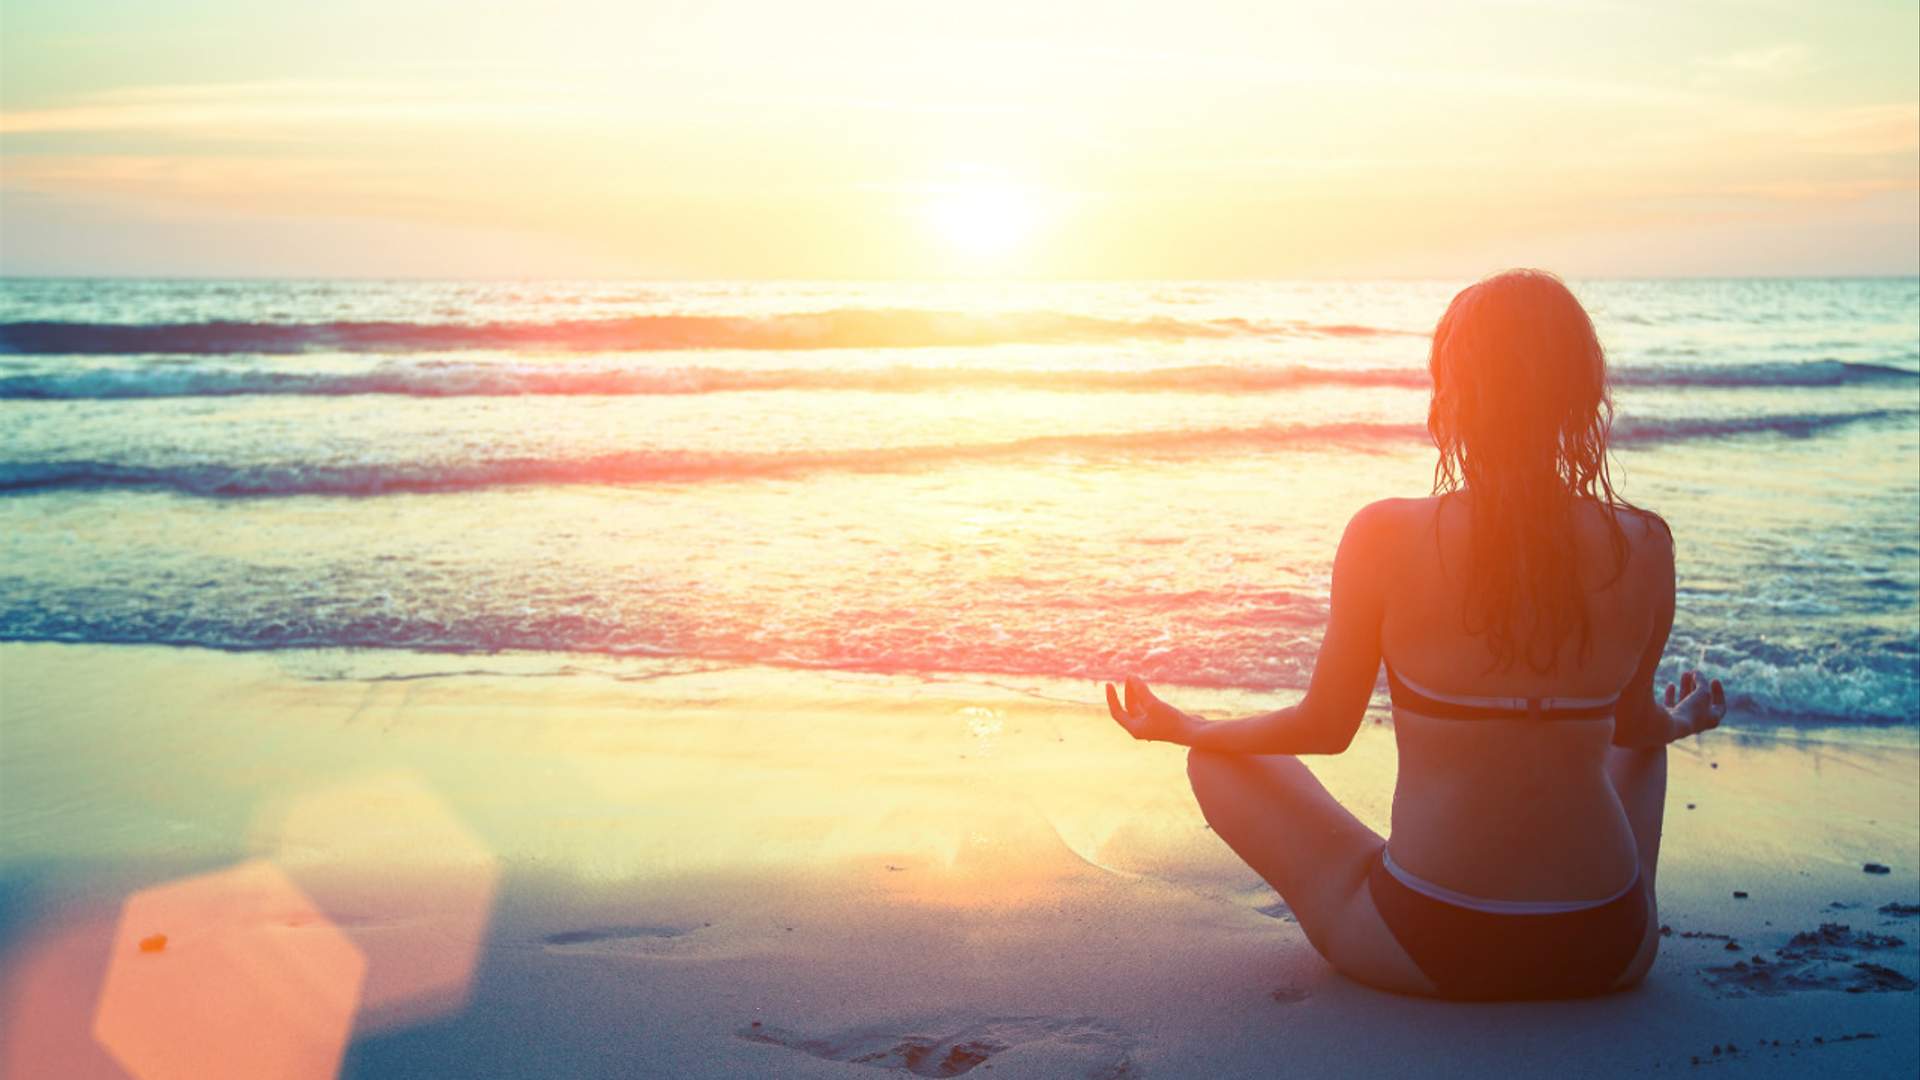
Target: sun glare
x,y
982,221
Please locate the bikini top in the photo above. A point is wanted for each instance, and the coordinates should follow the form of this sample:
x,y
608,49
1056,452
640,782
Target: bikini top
x,y
1416,698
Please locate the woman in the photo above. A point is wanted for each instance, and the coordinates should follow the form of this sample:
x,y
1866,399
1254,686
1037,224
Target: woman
x,y
1521,612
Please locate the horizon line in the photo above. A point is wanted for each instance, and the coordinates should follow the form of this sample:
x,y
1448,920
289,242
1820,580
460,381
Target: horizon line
x,y
1913,275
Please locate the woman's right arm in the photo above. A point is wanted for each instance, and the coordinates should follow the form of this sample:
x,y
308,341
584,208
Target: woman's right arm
x,y
1344,672
1643,720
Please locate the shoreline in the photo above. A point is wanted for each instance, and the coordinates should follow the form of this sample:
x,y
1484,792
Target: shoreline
x,y
681,869
388,663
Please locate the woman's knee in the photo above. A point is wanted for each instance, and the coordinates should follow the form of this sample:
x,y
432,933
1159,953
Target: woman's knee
x,y
1216,782
1204,763
1211,773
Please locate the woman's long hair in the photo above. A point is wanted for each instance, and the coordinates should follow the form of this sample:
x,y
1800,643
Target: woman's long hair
x,y
1521,413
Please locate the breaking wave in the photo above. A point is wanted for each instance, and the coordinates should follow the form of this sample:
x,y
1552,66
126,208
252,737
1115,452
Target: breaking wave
x,y
673,466
837,329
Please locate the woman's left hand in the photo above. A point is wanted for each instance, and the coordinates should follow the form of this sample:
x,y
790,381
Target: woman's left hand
x,y
1146,716
1699,701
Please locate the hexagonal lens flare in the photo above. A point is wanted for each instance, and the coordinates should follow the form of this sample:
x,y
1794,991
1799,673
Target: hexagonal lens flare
x,y
229,975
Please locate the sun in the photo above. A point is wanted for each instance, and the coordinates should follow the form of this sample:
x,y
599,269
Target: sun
x,y
982,220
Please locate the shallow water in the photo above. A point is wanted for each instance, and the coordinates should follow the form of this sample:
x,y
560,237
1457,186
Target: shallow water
x,y
1063,481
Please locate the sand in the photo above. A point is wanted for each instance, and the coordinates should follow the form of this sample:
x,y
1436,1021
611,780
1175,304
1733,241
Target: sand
x,y
386,865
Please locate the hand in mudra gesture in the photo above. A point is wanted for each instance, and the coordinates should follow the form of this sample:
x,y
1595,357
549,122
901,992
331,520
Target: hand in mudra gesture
x,y
1146,716
1700,703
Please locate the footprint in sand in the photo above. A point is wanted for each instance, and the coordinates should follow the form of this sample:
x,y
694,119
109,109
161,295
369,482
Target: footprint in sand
x,y
1077,1046
617,939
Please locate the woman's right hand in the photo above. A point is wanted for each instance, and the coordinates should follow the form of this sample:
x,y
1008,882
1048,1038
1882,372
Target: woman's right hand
x,y
1699,703
1145,716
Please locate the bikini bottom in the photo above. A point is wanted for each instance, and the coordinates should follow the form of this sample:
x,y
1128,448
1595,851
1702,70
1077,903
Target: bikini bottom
x,y
1474,954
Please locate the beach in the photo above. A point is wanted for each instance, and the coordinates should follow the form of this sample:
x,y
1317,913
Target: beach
x,y
679,680
660,867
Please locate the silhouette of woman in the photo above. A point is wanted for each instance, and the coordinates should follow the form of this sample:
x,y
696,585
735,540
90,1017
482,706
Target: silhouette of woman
x,y
1521,610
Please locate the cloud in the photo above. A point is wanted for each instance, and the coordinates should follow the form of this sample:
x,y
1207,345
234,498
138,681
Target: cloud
x,y
1772,60
1861,129
1826,191
233,184
282,109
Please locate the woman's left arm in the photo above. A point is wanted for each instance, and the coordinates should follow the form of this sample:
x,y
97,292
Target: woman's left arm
x,y
1344,673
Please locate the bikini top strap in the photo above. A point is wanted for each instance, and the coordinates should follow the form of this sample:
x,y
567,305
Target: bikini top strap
x,y
1449,706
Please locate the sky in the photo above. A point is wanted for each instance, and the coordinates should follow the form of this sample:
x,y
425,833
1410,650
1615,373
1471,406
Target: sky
x,y
907,140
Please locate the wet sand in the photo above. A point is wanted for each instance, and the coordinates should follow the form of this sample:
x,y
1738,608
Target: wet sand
x,y
393,865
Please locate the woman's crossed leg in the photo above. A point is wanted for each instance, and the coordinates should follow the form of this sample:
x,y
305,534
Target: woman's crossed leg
x,y
1275,814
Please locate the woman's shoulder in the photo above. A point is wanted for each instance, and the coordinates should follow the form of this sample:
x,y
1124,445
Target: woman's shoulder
x,y
1397,513
1386,509
1637,522
1380,526
1643,528
1635,544
1387,514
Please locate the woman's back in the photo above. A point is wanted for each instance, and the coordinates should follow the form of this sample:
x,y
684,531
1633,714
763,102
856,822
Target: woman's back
x,y
1515,808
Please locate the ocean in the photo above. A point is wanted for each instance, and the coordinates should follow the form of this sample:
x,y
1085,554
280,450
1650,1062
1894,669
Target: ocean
x,y
1069,481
